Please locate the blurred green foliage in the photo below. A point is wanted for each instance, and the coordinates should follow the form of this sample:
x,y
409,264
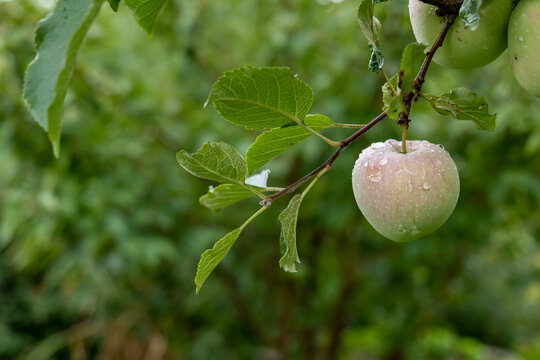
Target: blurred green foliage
x,y
99,248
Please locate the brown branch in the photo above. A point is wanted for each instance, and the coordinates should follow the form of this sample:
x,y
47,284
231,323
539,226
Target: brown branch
x,y
418,81
327,164
445,6
408,100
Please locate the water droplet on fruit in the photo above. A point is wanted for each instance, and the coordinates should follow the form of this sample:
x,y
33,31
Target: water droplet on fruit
x,y
375,177
414,230
426,186
384,161
401,229
366,164
441,146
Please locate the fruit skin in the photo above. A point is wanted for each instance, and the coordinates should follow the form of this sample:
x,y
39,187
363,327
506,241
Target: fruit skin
x,y
524,44
464,48
405,196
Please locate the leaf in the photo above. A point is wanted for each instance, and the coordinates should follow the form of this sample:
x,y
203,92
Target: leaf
x,y
370,27
224,195
57,41
114,4
261,98
215,161
376,60
211,258
411,62
288,219
274,142
145,12
392,98
469,13
464,104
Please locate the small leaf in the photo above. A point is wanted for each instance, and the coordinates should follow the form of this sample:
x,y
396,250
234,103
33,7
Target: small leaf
x,y
392,98
215,161
288,219
58,39
114,4
211,258
411,62
145,12
376,60
370,27
469,13
224,195
271,143
261,98
464,104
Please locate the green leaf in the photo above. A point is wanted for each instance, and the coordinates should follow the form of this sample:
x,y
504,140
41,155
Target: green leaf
x,y
211,258
145,12
58,39
261,98
411,62
376,60
392,99
469,13
370,27
224,195
114,4
215,161
276,141
464,104
288,219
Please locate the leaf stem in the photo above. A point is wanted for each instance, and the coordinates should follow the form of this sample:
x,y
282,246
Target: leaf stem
x,y
404,138
253,217
321,173
349,126
253,190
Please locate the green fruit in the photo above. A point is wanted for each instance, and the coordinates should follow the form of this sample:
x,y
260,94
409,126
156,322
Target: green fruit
x,y
405,196
524,44
464,48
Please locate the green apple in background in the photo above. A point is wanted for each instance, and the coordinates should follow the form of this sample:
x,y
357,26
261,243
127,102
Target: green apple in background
x,y
405,196
463,47
524,44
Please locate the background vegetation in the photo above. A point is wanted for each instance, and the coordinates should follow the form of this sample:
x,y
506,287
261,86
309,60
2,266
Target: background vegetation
x,y
98,249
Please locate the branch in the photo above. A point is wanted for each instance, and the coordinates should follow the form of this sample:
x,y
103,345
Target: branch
x,y
326,165
418,81
408,100
445,6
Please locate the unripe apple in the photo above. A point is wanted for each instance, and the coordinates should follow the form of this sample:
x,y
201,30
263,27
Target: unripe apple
x,y
405,196
524,44
463,47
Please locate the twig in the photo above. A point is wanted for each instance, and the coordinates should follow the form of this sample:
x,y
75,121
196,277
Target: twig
x,y
403,119
445,6
326,165
418,81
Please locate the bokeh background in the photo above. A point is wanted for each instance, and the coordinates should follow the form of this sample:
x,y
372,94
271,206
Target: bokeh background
x,y
98,250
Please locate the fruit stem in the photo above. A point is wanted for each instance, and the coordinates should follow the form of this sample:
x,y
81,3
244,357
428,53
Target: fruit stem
x,y
404,138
